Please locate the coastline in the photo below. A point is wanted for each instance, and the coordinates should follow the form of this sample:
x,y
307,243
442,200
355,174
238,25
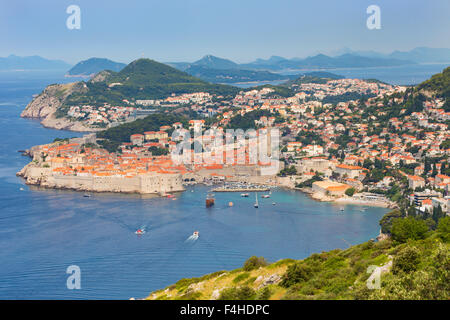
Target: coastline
x,y
345,200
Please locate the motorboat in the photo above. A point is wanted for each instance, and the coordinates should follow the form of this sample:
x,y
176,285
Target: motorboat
x,y
140,231
195,234
86,195
265,196
256,205
245,195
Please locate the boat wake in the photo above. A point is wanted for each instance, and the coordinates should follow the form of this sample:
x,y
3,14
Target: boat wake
x,y
192,238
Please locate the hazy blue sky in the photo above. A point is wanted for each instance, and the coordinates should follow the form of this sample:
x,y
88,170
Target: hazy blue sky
x,y
242,30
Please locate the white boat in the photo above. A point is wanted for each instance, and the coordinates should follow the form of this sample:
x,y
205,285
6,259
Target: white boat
x,y
86,195
195,234
265,196
245,195
256,205
273,203
342,209
140,231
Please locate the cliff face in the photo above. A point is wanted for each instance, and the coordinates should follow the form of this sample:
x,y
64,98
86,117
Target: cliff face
x,y
45,105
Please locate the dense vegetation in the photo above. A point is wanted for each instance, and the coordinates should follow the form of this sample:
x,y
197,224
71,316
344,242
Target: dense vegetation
x,y
440,85
319,77
144,79
111,138
279,91
247,121
233,75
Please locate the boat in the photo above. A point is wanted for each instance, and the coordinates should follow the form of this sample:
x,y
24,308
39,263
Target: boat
x,y
265,196
86,195
256,205
342,209
273,203
210,200
195,234
170,196
140,231
245,195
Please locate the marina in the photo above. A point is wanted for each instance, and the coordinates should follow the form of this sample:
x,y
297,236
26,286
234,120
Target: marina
x,y
53,229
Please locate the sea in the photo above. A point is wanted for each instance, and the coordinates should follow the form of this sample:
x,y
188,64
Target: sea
x,y
44,232
398,75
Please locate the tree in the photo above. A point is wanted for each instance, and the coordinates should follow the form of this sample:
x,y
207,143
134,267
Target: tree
x,y
387,220
437,213
254,263
350,192
443,228
408,228
296,273
406,260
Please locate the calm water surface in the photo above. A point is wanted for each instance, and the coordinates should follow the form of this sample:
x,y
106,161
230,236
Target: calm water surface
x,y
42,232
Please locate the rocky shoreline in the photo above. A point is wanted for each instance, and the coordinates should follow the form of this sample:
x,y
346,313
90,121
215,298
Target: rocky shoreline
x,y
45,105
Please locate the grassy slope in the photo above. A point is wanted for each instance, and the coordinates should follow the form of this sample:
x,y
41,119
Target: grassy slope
x,y
337,274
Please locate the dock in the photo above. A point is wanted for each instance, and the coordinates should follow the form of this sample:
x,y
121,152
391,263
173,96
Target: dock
x,y
240,189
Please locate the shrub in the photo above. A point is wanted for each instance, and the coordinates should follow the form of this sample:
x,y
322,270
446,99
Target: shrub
x,y
241,293
406,260
408,228
443,228
295,273
264,294
350,192
254,263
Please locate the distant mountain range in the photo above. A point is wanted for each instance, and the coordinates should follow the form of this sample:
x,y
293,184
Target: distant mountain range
x,y
13,62
94,65
276,63
418,55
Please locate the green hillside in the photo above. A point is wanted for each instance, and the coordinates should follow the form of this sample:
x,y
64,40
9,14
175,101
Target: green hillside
x,y
415,265
440,85
314,77
144,79
111,138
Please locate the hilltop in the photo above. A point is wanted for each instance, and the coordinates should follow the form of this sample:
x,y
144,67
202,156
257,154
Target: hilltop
x,y
94,65
144,79
141,79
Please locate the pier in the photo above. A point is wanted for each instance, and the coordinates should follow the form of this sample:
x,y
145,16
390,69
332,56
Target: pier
x,y
221,189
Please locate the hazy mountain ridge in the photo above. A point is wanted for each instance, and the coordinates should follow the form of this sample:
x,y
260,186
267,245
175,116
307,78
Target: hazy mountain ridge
x,y
94,65
13,62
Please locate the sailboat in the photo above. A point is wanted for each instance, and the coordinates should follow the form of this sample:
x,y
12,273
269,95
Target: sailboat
x,y
256,205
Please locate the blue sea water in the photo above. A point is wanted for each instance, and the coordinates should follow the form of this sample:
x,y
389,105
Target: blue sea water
x,y
398,75
42,232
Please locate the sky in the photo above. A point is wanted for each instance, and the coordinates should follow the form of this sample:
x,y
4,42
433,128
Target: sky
x,y
240,30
